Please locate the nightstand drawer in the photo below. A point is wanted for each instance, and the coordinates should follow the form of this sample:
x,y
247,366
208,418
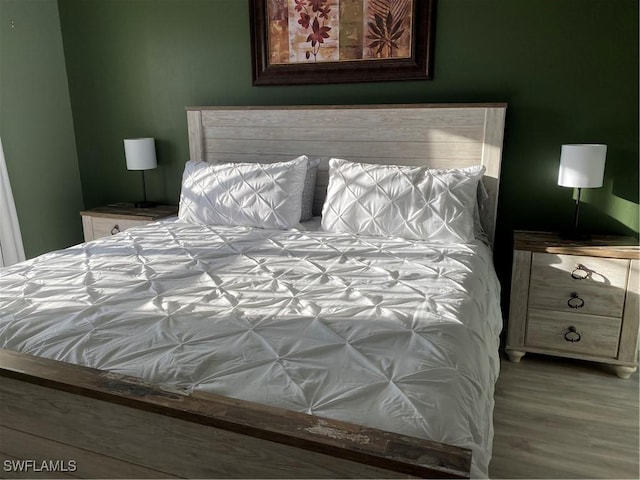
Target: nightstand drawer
x,y
577,284
597,336
103,227
575,289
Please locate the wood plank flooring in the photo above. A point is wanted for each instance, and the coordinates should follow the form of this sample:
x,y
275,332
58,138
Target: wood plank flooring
x,y
560,418
87,464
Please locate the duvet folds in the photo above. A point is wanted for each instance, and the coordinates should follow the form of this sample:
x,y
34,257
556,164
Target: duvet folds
x,y
396,334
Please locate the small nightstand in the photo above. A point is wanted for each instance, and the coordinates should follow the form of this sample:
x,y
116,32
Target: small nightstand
x,y
115,218
577,299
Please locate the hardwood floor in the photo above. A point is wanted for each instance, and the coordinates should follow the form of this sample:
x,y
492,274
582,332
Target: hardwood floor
x,y
560,418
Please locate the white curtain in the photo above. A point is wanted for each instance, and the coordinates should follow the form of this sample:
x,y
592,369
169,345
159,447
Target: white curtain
x,y
11,248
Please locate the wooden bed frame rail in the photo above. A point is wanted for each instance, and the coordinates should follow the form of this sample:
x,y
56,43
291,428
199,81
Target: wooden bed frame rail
x,y
140,429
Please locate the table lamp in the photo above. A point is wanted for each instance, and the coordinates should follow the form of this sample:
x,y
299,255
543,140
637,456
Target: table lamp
x,y
581,166
141,155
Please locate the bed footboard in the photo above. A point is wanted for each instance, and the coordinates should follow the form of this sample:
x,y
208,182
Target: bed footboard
x,y
97,424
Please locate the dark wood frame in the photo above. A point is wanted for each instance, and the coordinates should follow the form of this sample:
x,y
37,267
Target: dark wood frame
x,y
418,67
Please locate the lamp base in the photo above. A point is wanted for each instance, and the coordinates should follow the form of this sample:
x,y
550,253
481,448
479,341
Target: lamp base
x,y
145,204
574,234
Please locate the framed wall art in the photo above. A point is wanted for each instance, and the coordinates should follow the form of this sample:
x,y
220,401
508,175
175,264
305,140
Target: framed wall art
x,y
335,41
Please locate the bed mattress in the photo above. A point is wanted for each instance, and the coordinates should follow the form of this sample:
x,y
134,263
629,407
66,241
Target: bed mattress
x,y
390,333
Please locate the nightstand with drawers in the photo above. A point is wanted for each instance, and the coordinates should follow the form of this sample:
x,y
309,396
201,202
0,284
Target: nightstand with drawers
x,y
576,299
118,217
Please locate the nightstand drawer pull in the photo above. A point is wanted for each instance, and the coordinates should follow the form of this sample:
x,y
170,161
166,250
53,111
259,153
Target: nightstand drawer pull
x,y
581,272
115,229
575,301
572,335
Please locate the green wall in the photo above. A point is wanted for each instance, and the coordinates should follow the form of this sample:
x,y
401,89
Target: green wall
x,y
36,126
567,68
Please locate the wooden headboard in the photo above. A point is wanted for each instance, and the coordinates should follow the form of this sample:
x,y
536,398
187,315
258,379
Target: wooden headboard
x,y
433,135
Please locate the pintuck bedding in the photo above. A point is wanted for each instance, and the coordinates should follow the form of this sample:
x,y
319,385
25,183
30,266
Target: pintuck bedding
x,y
386,332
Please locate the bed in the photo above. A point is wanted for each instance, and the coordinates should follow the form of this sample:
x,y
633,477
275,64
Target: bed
x,y
192,349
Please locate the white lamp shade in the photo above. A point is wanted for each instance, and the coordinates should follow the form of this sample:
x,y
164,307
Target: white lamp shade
x,y
582,166
140,153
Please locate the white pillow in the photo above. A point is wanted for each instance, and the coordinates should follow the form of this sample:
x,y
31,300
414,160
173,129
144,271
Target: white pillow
x,y
246,194
409,202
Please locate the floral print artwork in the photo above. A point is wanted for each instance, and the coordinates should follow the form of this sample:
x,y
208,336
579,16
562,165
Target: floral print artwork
x,y
308,31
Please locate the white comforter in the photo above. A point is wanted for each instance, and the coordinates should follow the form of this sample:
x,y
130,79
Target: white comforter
x,y
389,333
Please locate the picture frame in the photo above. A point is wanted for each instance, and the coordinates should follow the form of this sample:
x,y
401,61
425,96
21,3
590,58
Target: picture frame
x,y
341,41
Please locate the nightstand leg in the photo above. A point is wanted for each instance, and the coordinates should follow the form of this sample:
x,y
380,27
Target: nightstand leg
x,y
625,372
515,355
